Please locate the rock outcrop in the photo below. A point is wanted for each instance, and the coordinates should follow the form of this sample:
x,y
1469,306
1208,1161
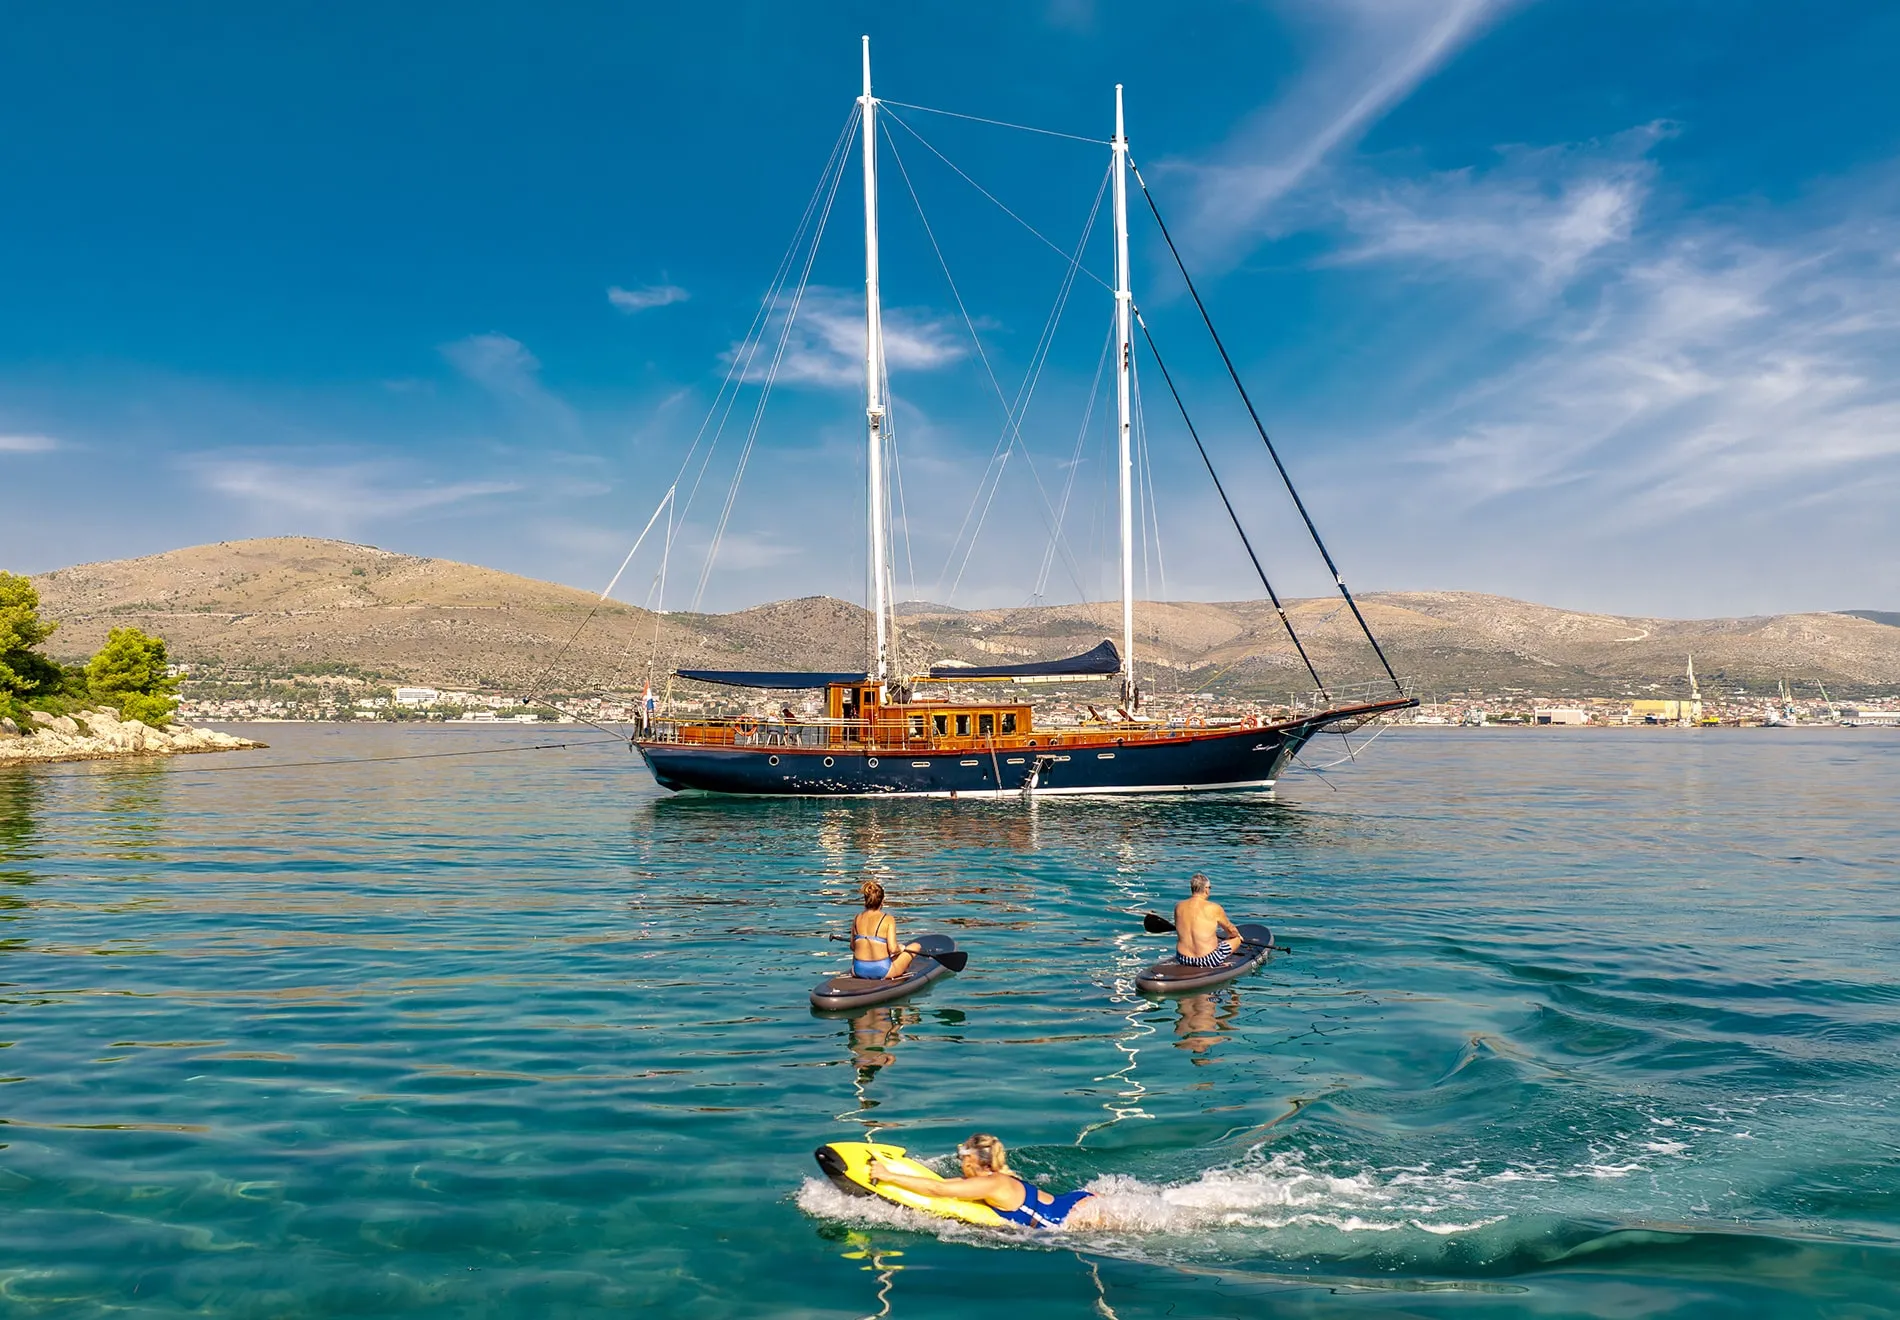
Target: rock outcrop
x,y
95,735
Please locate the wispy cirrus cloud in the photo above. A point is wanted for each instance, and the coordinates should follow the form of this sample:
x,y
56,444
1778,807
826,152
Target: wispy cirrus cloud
x,y
647,296
825,345
338,494
28,444
1539,214
1712,368
1371,55
503,366
498,363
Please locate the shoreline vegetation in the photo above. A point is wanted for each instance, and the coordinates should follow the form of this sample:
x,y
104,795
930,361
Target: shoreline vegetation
x,y
119,703
98,734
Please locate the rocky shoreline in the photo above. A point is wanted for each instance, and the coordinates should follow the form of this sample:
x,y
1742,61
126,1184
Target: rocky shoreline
x,y
97,735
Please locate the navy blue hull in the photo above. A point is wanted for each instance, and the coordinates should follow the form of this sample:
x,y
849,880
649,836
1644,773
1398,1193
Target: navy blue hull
x,y
1195,761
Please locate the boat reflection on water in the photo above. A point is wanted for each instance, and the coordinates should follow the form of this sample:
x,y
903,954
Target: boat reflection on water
x,y
1205,1020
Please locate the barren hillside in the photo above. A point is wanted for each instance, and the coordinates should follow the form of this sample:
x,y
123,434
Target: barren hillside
x,y
295,603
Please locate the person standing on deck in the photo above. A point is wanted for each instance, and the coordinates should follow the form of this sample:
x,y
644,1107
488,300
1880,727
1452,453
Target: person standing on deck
x,y
875,953
1200,925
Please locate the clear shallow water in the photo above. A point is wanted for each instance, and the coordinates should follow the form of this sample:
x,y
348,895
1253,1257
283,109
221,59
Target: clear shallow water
x,y
1576,1022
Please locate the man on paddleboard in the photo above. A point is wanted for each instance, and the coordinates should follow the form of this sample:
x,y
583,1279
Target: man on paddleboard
x,y
1199,925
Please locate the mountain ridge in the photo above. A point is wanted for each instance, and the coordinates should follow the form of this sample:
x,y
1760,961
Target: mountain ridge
x,y
304,604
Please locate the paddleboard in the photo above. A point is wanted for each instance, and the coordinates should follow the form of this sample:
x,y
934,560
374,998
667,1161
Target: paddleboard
x,y
847,1165
1171,977
850,991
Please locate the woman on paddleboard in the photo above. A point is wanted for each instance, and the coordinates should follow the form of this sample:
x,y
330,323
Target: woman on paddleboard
x,y
987,1178
875,953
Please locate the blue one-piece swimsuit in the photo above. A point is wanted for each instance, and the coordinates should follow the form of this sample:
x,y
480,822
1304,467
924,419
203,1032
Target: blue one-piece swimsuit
x,y
1036,1213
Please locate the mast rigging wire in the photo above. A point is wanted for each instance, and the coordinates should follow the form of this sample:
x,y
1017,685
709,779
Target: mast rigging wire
x,y
1150,504
1260,427
1013,412
1000,123
1272,595
765,391
1075,461
740,365
1044,240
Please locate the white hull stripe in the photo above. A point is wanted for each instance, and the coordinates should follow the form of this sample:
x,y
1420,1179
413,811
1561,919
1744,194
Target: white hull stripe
x,y
996,793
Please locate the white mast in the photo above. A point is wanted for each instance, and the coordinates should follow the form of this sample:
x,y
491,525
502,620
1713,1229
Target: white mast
x,y
874,377
1123,303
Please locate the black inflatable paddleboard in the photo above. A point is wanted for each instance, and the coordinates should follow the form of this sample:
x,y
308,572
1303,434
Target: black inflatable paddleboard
x,y
1171,977
850,991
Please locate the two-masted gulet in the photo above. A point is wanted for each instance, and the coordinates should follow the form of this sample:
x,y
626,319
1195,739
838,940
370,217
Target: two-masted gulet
x,y
885,733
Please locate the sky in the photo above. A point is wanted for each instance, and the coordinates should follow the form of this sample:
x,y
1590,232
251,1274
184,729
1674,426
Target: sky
x,y
1595,303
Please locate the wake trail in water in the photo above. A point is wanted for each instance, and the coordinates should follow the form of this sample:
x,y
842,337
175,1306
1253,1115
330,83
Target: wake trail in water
x,y
1668,1179
1279,1192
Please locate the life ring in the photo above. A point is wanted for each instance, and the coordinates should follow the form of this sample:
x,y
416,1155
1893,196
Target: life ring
x,y
746,726
1196,722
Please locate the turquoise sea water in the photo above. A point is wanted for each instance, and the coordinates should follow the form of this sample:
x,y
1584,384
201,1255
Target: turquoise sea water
x,y
1575,1022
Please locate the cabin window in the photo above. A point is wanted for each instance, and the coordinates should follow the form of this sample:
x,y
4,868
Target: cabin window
x,y
963,726
1009,721
916,726
986,725
942,723
868,697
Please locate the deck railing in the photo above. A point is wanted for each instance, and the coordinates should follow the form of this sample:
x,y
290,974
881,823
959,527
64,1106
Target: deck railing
x,y
894,737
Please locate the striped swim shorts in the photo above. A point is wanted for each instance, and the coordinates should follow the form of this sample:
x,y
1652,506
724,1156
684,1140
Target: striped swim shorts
x,y
1214,959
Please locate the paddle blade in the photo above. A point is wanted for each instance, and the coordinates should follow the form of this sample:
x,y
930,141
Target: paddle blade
x,y
1155,925
956,961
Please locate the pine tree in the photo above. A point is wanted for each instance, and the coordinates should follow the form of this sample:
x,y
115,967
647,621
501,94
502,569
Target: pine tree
x,y
129,673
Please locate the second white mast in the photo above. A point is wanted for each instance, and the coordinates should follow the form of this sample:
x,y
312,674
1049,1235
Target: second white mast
x,y
1124,301
874,378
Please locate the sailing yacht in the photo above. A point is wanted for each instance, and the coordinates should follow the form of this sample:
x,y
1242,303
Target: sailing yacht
x,y
886,732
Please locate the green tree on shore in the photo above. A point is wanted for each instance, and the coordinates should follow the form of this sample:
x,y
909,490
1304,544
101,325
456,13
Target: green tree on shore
x,y
129,672
25,674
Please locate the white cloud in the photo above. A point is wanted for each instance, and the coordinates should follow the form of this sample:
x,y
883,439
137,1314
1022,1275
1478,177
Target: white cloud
x,y
826,343
1711,369
497,363
652,295
338,495
28,444
740,551
504,367
1541,213
1374,53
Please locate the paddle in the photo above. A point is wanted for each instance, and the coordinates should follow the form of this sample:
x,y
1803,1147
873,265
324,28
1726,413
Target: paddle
x,y
1159,925
954,959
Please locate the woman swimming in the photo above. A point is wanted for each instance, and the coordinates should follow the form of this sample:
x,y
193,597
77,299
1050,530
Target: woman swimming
x,y
987,1178
875,952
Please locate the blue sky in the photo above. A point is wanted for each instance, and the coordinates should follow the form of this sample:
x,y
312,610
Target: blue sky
x,y
1596,304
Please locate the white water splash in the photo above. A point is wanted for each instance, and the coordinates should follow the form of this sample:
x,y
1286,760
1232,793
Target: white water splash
x,y
1280,1192
1274,1193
